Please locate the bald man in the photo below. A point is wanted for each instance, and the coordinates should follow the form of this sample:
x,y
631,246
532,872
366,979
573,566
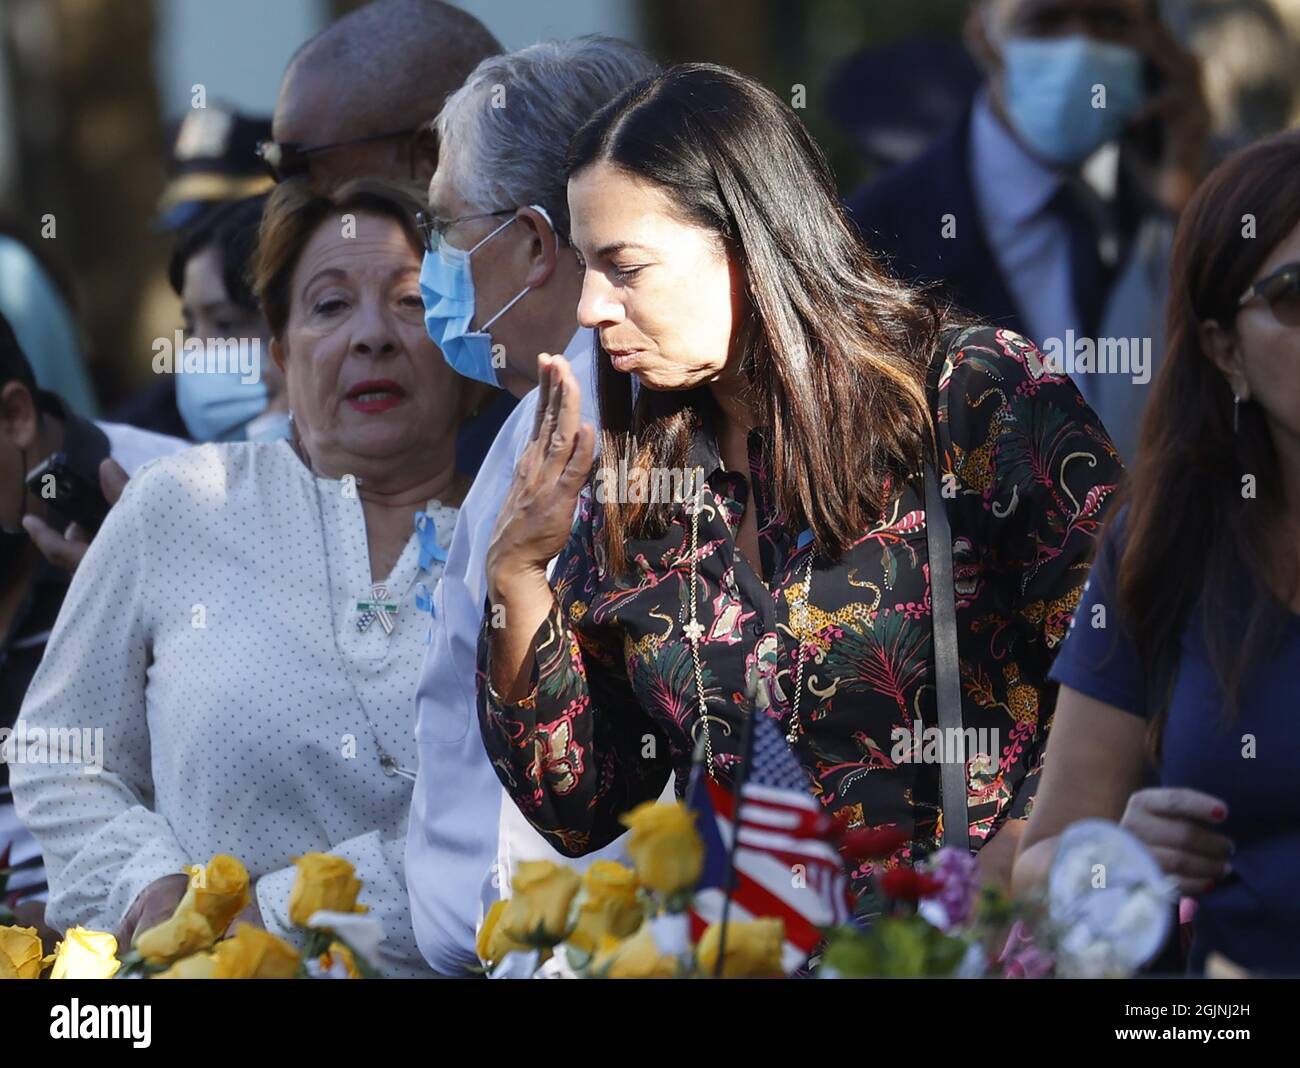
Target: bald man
x,y
358,97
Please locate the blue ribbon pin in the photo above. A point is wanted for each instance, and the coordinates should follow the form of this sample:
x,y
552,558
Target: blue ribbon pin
x,y
430,550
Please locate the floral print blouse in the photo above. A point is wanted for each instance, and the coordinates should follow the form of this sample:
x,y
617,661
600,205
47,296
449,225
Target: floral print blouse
x,y
1028,473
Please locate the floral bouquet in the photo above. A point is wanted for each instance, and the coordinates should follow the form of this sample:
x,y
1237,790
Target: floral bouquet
x,y
1107,911
195,943
614,922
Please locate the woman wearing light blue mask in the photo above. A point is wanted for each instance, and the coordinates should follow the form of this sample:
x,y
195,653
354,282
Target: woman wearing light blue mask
x,y
208,273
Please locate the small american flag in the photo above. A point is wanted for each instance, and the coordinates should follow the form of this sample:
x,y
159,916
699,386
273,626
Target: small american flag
x,y
785,864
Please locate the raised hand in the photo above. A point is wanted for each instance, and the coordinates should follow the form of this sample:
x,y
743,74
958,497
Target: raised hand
x,y
534,524
534,521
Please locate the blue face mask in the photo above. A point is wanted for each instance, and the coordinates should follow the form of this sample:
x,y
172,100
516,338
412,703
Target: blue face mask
x,y
1048,92
447,290
217,407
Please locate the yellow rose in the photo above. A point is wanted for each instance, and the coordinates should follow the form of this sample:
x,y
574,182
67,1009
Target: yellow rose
x,y
218,892
185,933
665,846
637,957
325,883
753,949
199,966
255,954
608,905
538,912
86,954
21,954
341,952
492,942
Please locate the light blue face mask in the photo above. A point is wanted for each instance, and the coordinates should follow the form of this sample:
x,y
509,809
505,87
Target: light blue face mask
x,y
218,407
1048,92
447,290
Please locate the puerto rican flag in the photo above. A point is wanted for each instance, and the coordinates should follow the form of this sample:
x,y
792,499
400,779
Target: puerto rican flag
x,y
786,866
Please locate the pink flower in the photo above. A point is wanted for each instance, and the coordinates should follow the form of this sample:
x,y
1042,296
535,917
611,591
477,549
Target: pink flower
x,y
1021,958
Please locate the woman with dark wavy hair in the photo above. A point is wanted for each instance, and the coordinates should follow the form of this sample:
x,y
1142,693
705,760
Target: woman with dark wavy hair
x,y
744,329
1187,644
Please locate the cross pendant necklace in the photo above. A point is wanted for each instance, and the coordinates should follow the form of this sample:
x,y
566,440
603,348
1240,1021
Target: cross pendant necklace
x,y
694,631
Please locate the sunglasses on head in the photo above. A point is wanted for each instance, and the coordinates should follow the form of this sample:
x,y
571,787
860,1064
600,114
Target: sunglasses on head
x,y
288,159
1280,291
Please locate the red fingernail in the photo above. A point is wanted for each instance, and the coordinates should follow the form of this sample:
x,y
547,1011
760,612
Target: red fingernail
x,y
1218,812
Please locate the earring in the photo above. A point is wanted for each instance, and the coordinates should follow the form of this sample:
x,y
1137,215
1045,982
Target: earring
x,y
1236,412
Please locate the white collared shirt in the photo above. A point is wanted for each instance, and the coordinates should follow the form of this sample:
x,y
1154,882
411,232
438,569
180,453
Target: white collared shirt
x,y
466,836
133,447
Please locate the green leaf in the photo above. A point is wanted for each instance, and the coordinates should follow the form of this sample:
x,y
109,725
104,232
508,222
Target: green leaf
x,y
905,946
134,964
852,956
899,947
945,954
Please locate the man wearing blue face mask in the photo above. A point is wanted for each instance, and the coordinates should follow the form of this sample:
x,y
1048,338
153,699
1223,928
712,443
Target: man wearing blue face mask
x,y
1049,207
500,285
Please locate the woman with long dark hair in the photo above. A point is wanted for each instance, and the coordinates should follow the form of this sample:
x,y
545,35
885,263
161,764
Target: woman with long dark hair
x,y
1187,644
743,329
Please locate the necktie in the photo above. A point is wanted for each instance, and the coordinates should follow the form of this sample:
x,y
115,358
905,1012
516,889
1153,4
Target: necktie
x,y
1091,276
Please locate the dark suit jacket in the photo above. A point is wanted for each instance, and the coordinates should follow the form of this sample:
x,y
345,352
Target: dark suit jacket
x,y
901,216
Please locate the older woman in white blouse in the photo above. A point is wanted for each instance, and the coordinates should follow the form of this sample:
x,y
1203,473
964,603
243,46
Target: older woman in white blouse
x,y
246,628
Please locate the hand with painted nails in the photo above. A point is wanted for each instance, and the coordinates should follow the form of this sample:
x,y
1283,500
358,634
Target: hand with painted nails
x,y
1177,825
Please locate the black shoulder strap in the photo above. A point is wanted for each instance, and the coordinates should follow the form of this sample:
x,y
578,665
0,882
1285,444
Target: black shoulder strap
x,y
943,615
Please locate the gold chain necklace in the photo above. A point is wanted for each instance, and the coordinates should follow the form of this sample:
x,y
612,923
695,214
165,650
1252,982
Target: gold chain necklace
x,y
694,632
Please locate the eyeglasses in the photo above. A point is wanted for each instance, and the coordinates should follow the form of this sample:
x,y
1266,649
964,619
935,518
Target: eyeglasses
x,y
433,229
288,159
1281,291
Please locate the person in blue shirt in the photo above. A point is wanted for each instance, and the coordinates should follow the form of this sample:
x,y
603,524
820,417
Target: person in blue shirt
x,y
1185,647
